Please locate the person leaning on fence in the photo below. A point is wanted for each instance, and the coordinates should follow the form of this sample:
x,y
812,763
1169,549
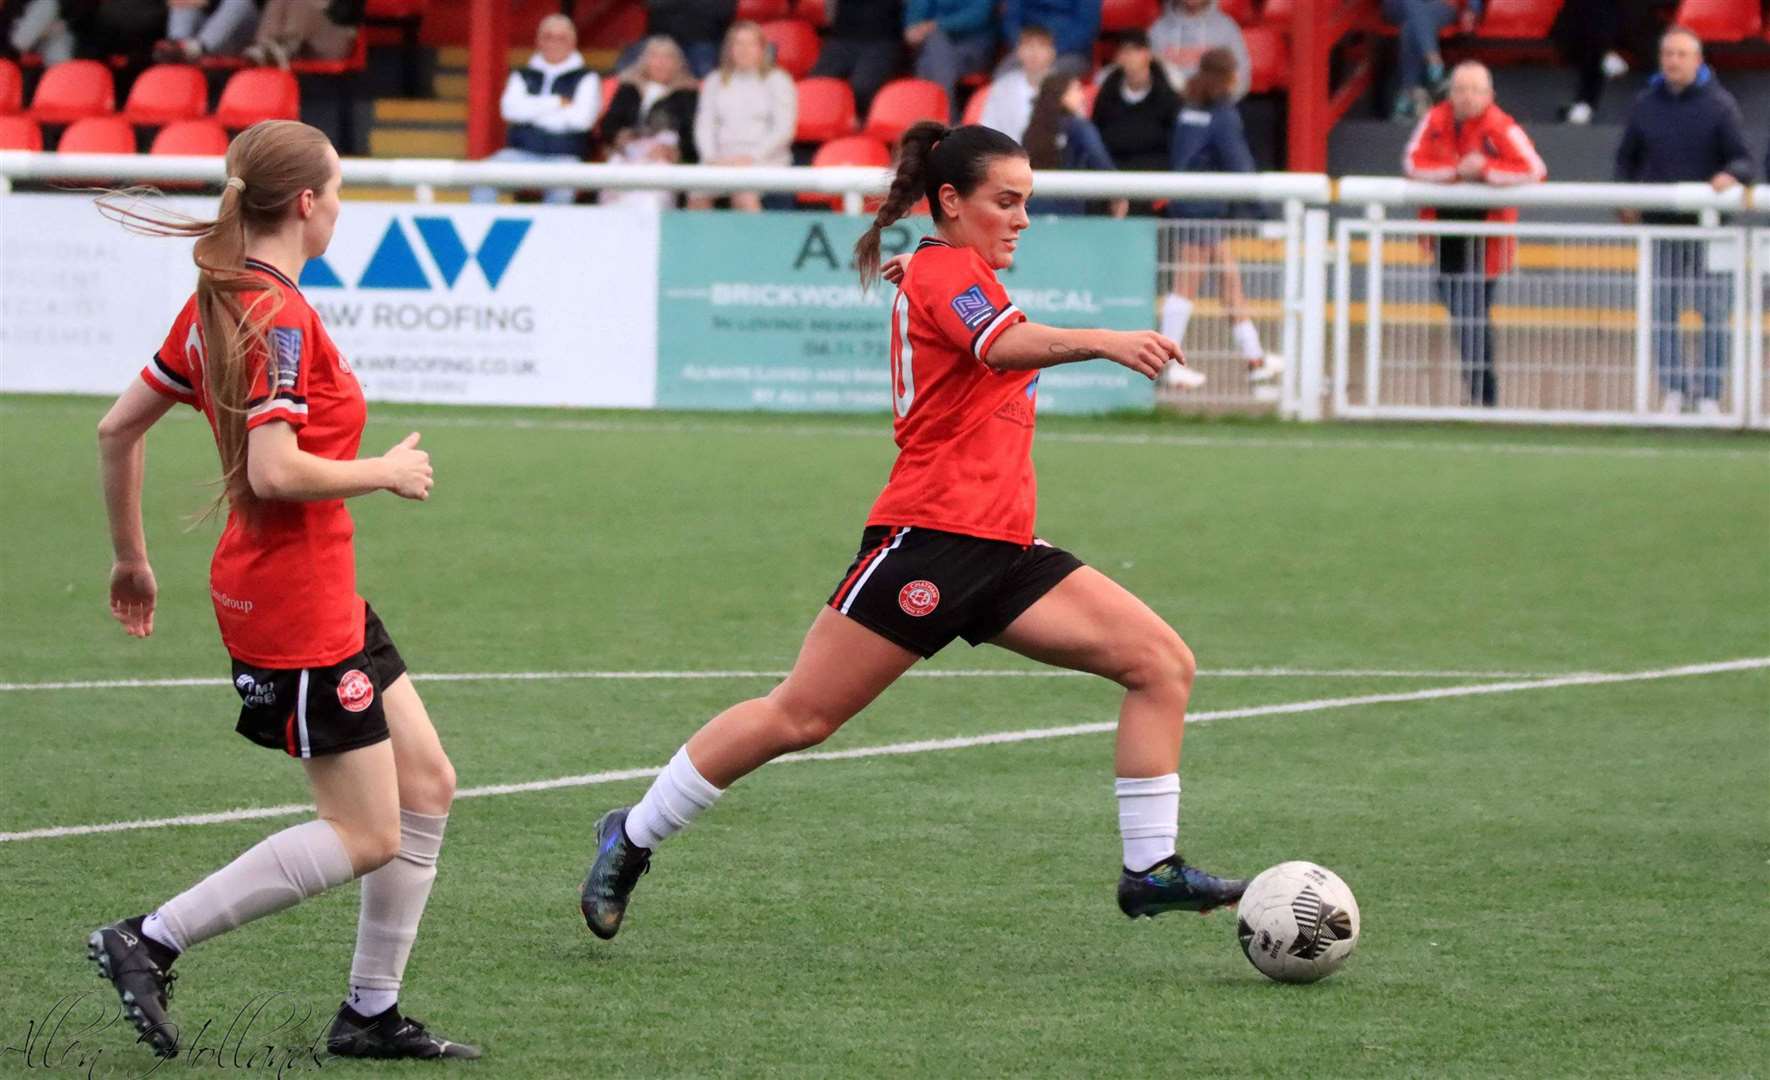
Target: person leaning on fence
x,y
1208,137
747,112
1136,108
1685,127
1467,138
549,105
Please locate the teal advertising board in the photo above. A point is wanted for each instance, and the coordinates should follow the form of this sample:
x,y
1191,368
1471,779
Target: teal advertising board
x,y
764,311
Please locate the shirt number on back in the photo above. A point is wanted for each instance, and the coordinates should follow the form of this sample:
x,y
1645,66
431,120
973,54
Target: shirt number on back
x,y
903,378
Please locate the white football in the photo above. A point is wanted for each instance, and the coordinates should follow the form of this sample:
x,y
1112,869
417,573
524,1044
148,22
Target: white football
x,y
1298,922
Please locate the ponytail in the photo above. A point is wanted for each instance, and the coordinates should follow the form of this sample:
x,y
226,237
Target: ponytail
x,y
929,157
268,166
907,185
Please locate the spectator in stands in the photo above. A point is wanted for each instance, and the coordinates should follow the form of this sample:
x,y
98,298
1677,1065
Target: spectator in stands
x,y
549,105
1208,137
1011,94
747,111
1469,139
696,25
1059,135
36,26
659,79
656,142
1592,35
864,45
1187,30
1685,127
951,39
198,28
1073,25
1421,65
1136,107
318,29
106,28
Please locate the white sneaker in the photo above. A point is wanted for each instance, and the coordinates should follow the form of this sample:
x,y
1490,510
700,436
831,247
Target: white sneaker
x,y
1266,368
1579,113
1708,406
1615,67
1181,377
1672,404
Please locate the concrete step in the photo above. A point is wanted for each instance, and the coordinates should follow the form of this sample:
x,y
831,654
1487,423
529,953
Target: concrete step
x,y
419,110
413,142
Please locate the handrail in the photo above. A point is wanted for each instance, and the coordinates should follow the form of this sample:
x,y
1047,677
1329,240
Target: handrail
x,y
1394,191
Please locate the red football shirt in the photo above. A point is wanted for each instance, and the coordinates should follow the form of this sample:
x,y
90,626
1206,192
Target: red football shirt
x,y
284,579
964,430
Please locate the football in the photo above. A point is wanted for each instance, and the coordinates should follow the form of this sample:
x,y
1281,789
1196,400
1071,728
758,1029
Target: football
x,y
1298,922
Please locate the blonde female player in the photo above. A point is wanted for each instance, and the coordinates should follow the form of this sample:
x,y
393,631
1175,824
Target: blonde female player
x,y
318,676
949,549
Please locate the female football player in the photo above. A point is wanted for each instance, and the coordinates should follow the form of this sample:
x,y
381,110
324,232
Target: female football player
x,y
317,674
949,549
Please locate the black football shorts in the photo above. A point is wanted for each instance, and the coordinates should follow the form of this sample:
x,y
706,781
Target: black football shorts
x,y
311,712
921,588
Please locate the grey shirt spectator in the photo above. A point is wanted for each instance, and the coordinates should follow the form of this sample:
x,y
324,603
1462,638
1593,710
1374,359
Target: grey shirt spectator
x,y
1187,30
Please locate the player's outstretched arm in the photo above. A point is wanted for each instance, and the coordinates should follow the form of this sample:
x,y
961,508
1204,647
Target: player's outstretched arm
x,y
122,463
1028,346
277,468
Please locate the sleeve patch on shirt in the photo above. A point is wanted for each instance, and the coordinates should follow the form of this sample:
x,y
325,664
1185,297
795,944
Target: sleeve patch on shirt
x,y
286,341
973,308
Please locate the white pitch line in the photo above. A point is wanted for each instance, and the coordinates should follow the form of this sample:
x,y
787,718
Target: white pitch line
x,y
964,742
932,673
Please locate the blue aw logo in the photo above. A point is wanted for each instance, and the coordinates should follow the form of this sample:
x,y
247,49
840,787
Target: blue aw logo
x,y
395,265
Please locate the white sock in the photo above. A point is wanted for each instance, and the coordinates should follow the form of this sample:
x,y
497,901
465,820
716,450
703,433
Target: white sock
x,y
1176,313
1149,818
676,797
394,896
366,1001
1247,339
278,872
155,927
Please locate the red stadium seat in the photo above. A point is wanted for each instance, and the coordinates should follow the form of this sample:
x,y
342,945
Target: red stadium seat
x,y
20,133
796,45
815,12
826,110
12,88
1269,59
1518,18
763,10
611,85
72,90
1242,11
1117,15
258,94
97,135
389,10
193,138
1278,12
902,102
848,150
167,92
1721,20
974,106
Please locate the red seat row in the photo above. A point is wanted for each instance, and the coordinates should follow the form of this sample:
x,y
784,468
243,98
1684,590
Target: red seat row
x,y
81,89
115,135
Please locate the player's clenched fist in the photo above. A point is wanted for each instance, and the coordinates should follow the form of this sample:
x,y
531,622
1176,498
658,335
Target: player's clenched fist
x,y
409,473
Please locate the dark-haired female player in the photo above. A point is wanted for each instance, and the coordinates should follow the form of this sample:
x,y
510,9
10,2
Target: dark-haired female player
x,y
318,676
949,549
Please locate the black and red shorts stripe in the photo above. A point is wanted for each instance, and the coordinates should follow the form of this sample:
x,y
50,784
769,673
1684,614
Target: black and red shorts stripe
x,y
921,588
312,712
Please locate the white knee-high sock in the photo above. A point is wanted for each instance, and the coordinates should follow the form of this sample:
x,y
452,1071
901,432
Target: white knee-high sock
x,y
278,872
677,797
1247,340
1149,818
1176,313
393,902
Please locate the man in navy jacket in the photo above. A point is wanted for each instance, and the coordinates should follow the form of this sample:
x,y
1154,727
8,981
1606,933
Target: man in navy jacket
x,y
1684,127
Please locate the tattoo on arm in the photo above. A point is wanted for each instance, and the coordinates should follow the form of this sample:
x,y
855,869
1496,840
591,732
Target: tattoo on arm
x,y
1064,354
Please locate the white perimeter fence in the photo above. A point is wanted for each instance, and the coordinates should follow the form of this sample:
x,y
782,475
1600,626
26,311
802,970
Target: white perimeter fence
x,y
1454,318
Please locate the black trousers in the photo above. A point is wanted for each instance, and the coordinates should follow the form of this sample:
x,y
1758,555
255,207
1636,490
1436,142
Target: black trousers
x,y
1467,292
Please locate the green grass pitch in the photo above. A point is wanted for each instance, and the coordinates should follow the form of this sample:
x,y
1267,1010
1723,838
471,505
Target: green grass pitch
x,y
1555,881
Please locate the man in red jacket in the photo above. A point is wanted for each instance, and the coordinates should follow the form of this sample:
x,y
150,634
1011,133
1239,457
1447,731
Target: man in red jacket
x,y
1467,139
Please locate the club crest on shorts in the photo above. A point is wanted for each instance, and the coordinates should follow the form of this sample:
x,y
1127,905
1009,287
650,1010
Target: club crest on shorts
x,y
918,598
355,691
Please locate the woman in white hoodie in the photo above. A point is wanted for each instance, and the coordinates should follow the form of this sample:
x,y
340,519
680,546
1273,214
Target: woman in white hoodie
x,y
747,112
